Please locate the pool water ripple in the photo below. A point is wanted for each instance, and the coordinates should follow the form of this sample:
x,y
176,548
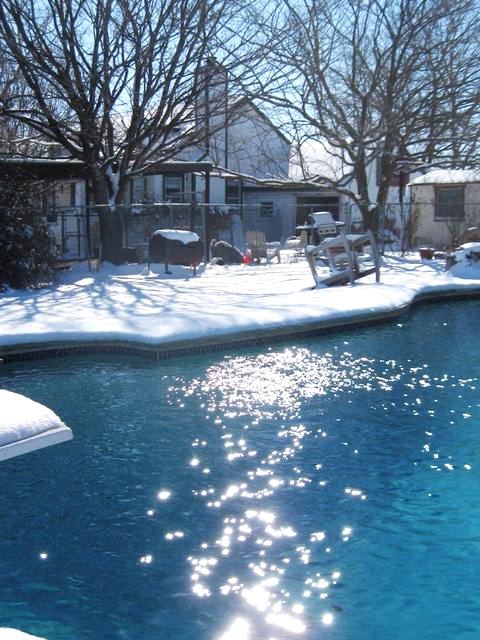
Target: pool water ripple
x,y
324,489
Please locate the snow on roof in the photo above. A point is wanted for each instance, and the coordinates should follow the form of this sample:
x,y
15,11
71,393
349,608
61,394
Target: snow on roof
x,y
448,176
26,425
33,161
177,234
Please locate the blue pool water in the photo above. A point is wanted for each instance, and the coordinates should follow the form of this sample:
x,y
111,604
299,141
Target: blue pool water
x,y
324,489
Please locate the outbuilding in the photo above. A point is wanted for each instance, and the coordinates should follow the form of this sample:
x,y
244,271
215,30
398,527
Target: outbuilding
x,y
445,203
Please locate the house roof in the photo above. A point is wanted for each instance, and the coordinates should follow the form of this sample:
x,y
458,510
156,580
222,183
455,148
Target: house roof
x,y
176,166
60,169
447,176
65,169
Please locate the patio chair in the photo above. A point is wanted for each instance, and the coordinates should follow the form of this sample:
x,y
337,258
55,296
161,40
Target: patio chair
x,y
348,256
259,248
296,245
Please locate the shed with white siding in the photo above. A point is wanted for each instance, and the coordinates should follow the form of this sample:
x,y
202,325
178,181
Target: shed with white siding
x,y
445,203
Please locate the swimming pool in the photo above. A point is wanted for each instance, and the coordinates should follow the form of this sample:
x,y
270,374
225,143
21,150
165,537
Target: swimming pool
x,y
326,489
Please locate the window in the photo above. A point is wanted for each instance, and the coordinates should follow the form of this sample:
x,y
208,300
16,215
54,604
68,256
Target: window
x,y
173,188
232,192
138,193
449,203
266,209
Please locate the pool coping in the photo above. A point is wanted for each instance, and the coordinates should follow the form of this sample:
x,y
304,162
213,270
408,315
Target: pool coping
x,y
223,342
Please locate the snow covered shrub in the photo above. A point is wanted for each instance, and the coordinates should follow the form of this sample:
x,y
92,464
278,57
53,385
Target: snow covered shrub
x,y
465,262
469,252
26,250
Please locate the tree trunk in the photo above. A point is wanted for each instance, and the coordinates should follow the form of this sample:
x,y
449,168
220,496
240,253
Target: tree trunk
x,y
111,235
368,211
370,215
111,221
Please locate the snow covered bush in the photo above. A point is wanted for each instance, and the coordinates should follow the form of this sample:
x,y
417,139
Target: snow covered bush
x,y
26,252
466,261
469,252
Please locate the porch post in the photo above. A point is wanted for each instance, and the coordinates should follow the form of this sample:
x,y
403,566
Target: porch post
x,y
205,215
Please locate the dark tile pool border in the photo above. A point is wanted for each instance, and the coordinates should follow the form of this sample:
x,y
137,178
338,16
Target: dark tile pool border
x,y
219,343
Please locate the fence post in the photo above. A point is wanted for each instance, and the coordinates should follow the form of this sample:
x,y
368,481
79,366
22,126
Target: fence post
x,y
88,239
381,227
347,208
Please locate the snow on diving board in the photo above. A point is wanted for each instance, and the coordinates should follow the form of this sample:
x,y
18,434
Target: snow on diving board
x,y
26,425
14,634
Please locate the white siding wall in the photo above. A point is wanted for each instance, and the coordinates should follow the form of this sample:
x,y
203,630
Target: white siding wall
x,y
393,193
440,233
255,148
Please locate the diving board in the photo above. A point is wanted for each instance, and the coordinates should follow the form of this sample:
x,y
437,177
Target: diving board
x,y
14,634
26,425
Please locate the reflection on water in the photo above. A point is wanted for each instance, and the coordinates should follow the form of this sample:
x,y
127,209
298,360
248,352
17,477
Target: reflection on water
x,y
321,490
257,556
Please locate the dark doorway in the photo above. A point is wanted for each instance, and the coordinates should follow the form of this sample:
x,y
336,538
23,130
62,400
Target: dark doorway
x,y
309,204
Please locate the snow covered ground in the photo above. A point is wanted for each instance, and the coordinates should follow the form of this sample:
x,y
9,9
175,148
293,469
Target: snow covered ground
x,y
124,303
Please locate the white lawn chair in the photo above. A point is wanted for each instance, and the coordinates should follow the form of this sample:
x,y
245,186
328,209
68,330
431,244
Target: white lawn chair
x,y
349,257
261,249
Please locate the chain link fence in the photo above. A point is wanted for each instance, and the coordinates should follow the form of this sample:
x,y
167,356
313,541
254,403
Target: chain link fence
x,y
75,231
407,226
394,232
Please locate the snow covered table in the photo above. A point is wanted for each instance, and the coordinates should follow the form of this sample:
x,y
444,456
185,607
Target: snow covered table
x,y
26,425
175,246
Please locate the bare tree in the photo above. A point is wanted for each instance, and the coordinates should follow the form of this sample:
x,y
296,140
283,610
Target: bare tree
x,y
114,82
16,138
373,82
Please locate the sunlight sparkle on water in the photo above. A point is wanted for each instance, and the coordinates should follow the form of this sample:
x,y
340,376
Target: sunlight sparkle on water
x,y
286,622
148,559
327,618
286,379
239,630
239,401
